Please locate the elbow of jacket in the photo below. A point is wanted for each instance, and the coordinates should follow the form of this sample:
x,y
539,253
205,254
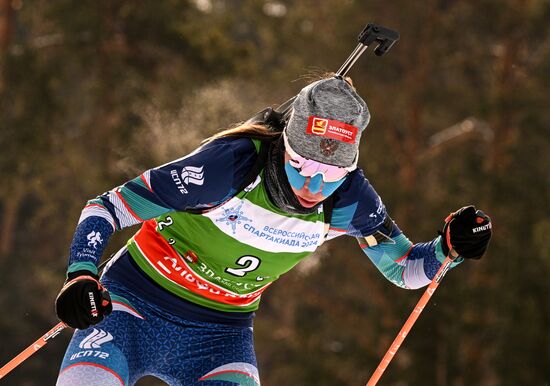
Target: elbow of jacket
x,y
401,284
413,287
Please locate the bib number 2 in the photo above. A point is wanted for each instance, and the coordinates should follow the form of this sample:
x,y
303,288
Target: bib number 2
x,y
248,264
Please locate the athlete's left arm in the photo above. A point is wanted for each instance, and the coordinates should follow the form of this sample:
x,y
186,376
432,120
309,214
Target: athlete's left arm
x,y
359,212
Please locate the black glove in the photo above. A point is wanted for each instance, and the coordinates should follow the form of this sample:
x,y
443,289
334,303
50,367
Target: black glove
x,y
82,301
467,231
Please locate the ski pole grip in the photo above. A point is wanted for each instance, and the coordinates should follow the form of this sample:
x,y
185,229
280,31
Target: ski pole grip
x,y
384,37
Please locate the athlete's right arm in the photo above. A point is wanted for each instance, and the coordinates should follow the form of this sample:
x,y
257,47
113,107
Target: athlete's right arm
x,y
201,180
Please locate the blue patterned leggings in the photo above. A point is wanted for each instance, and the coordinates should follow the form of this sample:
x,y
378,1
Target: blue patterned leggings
x,y
138,339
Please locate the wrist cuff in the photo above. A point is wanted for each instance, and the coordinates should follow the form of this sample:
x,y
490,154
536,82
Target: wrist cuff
x,y
82,266
83,272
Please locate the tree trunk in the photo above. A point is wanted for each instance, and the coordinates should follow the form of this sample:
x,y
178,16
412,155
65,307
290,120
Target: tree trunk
x,y
6,33
8,222
504,119
11,200
6,25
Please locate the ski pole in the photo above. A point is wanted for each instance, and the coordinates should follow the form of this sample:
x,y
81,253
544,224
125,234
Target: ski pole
x,y
384,37
41,342
410,321
37,345
372,33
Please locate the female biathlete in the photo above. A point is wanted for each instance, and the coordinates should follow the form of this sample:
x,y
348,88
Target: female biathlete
x,y
219,226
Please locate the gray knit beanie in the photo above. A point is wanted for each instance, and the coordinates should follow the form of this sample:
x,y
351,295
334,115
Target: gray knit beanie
x,y
326,122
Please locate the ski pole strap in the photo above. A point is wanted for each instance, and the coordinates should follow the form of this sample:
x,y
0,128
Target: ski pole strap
x,y
37,345
378,236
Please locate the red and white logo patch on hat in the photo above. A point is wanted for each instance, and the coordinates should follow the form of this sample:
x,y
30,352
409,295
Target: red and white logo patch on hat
x,y
332,129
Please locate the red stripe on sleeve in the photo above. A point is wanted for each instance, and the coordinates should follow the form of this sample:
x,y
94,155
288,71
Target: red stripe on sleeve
x,y
404,256
146,183
128,207
338,229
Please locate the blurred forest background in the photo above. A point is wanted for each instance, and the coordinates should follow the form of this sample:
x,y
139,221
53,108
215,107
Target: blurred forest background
x,y
94,92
